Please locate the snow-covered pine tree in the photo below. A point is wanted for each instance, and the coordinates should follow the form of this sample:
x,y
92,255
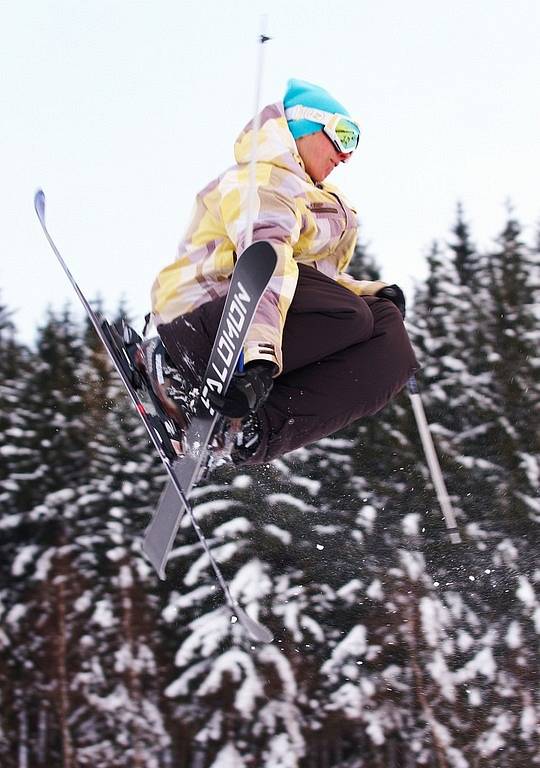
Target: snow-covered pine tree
x,y
511,279
118,720
466,257
17,462
90,680
514,291
447,332
55,463
233,695
460,629
478,472
15,363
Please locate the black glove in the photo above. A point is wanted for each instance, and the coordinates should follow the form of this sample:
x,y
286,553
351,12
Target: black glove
x,y
247,391
395,295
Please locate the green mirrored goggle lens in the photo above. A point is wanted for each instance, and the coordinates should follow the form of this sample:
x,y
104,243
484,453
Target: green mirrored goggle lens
x,y
347,134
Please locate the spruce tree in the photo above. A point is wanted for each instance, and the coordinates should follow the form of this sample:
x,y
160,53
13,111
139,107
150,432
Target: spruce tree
x,y
16,461
54,465
119,718
514,290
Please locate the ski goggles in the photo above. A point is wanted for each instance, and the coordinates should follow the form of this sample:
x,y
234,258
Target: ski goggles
x,y
342,131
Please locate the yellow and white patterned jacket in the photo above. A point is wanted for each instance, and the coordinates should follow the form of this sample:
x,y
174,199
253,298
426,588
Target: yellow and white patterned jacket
x,y
305,222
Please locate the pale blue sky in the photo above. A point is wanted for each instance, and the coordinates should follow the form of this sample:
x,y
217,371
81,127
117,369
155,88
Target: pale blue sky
x,y
123,109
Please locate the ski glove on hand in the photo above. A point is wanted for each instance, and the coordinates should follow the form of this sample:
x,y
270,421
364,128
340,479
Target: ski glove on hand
x,y
395,295
247,391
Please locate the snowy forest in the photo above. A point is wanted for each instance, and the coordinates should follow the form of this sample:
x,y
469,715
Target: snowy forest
x,y
393,647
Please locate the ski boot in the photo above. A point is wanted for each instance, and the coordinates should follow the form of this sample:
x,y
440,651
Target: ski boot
x,y
152,361
128,347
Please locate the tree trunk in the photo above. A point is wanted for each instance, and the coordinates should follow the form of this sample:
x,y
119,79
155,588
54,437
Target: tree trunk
x,y
41,746
68,756
411,632
23,737
133,680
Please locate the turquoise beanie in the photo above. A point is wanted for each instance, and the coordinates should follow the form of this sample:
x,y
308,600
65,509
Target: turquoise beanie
x,y
309,95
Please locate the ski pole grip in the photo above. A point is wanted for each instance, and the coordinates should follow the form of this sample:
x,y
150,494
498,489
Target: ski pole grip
x,y
412,386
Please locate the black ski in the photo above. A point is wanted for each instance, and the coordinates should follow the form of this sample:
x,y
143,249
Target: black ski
x,y
160,429
250,277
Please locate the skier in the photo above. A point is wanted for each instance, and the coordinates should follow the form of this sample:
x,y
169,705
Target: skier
x,y
324,349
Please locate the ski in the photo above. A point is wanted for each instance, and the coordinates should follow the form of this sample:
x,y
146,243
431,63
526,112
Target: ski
x,y
250,277
160,428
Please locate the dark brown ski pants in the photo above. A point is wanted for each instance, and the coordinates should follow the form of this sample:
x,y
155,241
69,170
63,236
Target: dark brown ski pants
x,y
344,357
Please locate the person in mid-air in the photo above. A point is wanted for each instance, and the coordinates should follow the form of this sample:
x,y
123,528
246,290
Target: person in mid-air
x,y
324,349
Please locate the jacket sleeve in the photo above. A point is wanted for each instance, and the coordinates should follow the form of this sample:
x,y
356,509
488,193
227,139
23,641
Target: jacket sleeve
x,y
360,287
278,221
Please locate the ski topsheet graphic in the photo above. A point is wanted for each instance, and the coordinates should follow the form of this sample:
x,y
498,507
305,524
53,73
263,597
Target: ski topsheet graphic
x,y
251,275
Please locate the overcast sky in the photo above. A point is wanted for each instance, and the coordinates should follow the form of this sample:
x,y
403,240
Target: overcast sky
x,y
123,109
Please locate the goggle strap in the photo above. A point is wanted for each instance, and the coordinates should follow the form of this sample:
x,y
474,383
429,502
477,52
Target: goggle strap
x,y
299,112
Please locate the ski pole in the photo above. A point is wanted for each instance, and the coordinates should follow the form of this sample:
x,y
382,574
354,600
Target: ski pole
x,y
432,461
252,187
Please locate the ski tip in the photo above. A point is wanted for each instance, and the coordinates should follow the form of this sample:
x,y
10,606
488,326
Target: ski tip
x,y
256,631
39,204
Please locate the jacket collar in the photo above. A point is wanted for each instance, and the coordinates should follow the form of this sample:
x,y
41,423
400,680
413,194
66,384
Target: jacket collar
x,y
275,142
